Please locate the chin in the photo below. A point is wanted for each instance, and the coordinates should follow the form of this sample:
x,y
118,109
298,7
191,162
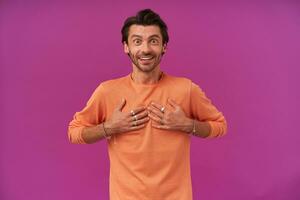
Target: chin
x,y
146,69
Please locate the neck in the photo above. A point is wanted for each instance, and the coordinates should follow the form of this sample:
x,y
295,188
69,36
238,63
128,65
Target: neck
x,y
146,77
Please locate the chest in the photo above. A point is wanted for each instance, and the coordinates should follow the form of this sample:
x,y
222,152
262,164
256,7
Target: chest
x,y
136,97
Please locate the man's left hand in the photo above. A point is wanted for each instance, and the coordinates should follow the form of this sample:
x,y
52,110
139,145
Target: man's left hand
x,y
169,118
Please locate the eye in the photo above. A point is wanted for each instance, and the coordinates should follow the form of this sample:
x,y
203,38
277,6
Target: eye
x,y
154,41
137,41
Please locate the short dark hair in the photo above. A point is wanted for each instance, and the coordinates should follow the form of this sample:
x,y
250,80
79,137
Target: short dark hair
x,y
145,17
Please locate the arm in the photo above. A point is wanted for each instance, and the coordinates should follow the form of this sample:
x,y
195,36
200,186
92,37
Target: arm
x,y
206,114
120,122
174,118
197,128
85,126
93,134
205,120
90,126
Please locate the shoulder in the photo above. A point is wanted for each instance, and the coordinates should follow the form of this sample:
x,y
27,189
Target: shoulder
x,y
179,80
186,83
106,87
114,82
111,84
183,80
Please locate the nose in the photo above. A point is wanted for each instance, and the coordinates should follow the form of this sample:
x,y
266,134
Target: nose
x,y
145,48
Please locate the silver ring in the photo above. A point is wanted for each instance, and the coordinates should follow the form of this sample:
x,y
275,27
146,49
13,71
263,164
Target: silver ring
x,y
132,113
162,109
135,117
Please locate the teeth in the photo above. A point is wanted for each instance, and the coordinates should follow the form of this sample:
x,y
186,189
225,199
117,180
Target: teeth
x,y
146,58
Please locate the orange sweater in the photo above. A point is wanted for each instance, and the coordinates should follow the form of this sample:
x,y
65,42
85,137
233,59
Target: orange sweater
x,y
148,164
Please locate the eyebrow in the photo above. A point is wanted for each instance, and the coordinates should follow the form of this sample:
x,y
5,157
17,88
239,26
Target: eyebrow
x,y
155,35
151,36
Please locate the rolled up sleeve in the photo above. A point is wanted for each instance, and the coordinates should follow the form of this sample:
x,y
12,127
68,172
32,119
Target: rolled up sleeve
x,y
91,115
202,109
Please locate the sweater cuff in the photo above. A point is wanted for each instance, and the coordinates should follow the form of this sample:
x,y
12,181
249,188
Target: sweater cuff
x,y
217,129
75,135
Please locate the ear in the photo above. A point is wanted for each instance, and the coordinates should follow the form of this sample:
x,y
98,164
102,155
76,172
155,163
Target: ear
x,y
126,48
164,48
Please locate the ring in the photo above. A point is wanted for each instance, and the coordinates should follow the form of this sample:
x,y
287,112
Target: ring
x,y
162,109
135,117
132,113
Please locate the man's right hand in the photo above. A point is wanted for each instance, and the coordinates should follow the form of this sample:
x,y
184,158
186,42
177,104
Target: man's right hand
x,y
121,122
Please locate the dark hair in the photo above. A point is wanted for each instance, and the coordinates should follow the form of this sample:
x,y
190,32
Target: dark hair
x,y
145,17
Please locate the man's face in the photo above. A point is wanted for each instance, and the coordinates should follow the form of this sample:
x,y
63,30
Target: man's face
x,y
145,47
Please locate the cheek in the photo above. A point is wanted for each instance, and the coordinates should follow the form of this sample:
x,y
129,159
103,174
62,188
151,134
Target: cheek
x,y
133,55
133,51
159,50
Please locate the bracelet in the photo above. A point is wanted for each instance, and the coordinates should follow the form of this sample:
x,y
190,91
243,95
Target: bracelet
x,y
194,128
105,133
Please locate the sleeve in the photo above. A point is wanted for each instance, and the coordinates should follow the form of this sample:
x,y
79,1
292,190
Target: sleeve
x,y
91,115
202,109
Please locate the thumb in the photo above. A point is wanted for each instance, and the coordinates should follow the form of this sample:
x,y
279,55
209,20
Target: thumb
x,y
172,103
121,105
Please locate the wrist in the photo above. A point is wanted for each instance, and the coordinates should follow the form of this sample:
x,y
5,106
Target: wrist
x,y
189,125
109,128
105,133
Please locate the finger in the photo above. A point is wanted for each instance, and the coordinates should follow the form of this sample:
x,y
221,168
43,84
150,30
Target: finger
x,y
156,105
121,105
173,103
138,122
132,128
136,110
141,121
161,126
141,115
156,112
155,118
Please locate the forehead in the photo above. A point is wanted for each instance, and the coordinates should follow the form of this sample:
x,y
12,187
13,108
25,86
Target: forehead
x,y
144,31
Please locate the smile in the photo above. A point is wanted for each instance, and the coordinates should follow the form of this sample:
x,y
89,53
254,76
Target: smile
x,y
145,58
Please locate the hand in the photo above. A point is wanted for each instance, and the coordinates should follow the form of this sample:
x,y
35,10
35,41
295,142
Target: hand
x,y
124,122
169,119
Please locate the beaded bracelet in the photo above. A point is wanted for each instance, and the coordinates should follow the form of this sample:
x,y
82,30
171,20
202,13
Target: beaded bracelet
x,y
105,133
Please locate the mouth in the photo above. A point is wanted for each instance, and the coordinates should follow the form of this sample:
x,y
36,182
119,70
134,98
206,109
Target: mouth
x,y
146,59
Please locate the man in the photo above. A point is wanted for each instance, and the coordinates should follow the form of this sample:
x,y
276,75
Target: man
x,y
147,118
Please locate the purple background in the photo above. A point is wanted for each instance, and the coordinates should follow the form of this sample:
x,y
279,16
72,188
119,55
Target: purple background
x,y
245,56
